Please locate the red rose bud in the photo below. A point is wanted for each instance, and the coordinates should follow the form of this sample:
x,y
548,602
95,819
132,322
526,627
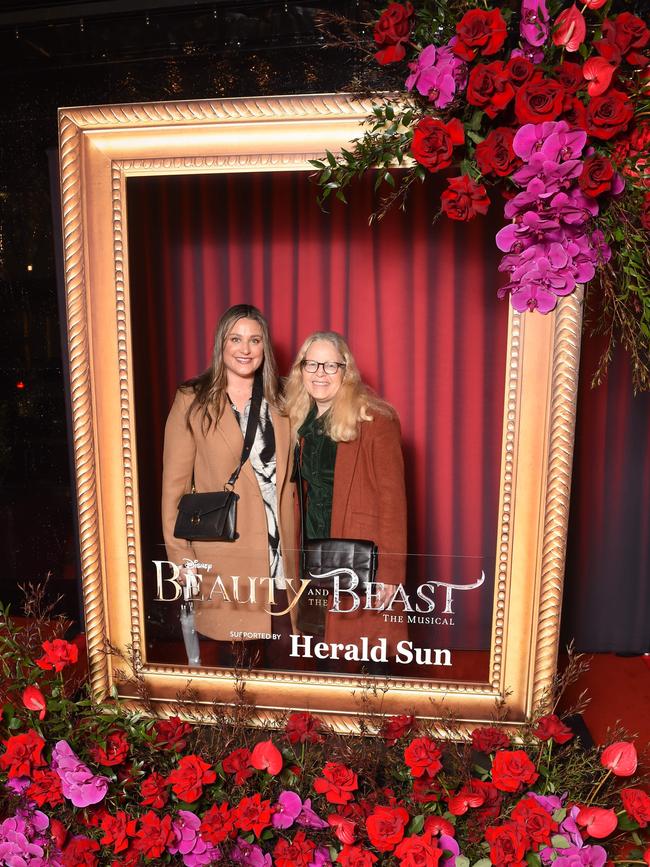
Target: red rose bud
x,y
551,726
598,72
395,727
570,29
620,758
33,699
596,821
267,757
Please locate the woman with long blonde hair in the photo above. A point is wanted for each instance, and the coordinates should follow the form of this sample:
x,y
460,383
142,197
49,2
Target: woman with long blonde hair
x,y
352,472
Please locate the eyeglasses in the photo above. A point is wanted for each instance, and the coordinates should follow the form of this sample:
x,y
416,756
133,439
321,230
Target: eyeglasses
x,y
329,367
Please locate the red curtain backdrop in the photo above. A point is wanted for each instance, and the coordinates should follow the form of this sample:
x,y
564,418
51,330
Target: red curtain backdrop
x,y
416,302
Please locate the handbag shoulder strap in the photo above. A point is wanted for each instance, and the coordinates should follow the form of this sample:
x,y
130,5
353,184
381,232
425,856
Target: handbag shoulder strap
x,y
251,428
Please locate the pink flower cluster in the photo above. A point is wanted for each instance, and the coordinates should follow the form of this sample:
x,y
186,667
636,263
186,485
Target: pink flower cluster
x,y
438,74
549,246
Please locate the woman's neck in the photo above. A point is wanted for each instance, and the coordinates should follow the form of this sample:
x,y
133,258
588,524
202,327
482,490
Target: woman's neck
x,y
239,391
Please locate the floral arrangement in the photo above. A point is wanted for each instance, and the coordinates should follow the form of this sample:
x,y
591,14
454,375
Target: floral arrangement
x,y
540,109
86,784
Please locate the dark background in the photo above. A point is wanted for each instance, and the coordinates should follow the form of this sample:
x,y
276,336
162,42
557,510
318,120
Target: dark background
x,y
103,51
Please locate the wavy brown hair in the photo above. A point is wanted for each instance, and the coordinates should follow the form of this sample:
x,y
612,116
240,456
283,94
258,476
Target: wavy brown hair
x,y
353,403
210,387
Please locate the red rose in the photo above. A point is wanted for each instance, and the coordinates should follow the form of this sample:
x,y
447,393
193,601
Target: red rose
x,y
23,754
488,739
637,805
239,764
253,814
519,69
154,834
392,30
45,788
422,756
512,768
570,76
57,655
596,178
597,821
154,791
488,87
463,199
495,155
417,852
480,32
396,727
171,733
337,783
609,114
433,142
551,726
117,830
626,31
267,757
385,827
297,853
539,100
645,212
508,845
356,856
113,753
190,776
217,824
535,821
80,852
303,728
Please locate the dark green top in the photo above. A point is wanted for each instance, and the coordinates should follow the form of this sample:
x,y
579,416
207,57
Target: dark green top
x,y
317,468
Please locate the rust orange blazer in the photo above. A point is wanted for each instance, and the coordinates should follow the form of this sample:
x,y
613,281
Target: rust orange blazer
x,y
369,502
213,455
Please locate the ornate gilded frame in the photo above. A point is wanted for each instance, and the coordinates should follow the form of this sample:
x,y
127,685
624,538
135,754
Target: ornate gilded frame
x,y
100,147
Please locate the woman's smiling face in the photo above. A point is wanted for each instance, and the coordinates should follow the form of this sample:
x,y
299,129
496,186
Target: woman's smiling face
x,y
243,351
320,385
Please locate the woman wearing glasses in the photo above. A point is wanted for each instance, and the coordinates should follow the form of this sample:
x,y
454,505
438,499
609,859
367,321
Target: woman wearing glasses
x,y
353,473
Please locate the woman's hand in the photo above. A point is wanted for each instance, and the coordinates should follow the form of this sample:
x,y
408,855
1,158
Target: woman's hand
x,y
385,594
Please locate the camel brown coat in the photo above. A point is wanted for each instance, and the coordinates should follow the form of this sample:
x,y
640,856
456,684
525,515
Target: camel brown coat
x,y
369,502
213,455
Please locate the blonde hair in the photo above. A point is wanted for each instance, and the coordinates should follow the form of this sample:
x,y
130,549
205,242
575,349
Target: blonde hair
x,y
209,388
353,403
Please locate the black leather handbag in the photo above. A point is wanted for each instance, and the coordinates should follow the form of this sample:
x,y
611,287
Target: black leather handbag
x,y
212,516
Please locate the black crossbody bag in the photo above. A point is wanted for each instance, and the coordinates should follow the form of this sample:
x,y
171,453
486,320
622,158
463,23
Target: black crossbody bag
x,y
212,516
322,559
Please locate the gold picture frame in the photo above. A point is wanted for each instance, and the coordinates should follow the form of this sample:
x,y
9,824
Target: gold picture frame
x,y
102,146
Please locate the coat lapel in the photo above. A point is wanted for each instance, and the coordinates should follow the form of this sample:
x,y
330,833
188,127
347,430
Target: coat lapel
x,y
347,455
231,434
282,449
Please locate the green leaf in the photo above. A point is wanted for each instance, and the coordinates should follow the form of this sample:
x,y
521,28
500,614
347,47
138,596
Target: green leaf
x,y
341,197
317,164
14,724
390,180
416,824
474,136
559,815
558,841
475,122
390,113
331,159
461,860
483,862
